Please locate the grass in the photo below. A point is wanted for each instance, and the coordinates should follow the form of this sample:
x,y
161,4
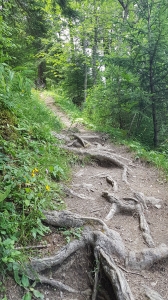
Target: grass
x,y
31,170
36,112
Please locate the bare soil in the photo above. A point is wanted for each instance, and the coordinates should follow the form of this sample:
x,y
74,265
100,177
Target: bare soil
x,y
84,197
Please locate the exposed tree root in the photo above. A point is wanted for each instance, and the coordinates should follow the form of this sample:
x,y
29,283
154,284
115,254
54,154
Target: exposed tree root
x,y
68,219
83,142
57,284
96,275
69,191
151,294
38,265
146,258
146,201
98,156
103,158
61,136
106,244
112,182
116,277
119,206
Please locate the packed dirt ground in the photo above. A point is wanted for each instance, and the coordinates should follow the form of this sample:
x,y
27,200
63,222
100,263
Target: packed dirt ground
x,y
112,189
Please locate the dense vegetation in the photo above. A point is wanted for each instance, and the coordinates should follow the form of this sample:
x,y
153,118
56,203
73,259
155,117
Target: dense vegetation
x,y
31,167
110,58
105,60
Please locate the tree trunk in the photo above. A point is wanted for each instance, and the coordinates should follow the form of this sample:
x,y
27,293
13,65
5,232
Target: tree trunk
x,y
85,67
155,127
95,42
151,81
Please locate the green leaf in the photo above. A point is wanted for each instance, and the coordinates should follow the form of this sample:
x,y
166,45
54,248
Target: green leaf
x,y
25,281
30,196
27,202
27,296
37,294
34,233
3,196
68,239
17,278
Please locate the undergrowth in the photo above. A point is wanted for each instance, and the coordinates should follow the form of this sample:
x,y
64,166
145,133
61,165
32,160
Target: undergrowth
x,y
31,169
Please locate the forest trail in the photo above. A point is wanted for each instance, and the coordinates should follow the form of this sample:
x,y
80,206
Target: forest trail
x,y
84,197
122,204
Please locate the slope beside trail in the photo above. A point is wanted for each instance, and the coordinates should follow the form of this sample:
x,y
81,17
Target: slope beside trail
x,y
121,203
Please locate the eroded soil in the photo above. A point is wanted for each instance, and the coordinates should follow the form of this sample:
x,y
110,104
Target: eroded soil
x,y
88,182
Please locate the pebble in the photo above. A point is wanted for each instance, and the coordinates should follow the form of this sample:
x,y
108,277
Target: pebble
x,y
158,206
153,283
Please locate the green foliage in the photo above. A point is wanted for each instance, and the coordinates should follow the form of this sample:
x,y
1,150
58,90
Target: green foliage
x,y
159,159
93,118
12,85
24,282
31,166
31,187
74,233
74,76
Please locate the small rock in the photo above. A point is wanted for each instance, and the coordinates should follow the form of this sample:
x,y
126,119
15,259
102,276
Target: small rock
x,y
118,227
158,206
153,283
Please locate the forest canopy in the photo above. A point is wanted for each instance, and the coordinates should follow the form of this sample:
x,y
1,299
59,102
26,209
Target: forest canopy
x,y
109,57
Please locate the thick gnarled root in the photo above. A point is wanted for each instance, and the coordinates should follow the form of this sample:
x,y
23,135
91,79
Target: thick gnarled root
x,y
108,248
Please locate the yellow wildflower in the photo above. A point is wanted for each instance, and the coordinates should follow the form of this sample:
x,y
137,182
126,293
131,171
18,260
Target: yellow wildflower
x,y
47,188
34,171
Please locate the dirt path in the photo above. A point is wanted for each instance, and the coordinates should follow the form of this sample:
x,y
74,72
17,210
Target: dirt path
x,y
85,198
125,177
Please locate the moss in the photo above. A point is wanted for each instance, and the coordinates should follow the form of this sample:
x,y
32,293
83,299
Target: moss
x,y
7,123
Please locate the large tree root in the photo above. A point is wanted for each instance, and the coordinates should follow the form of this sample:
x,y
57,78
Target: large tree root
x,y
133,207
102,246
146,258
67,219
151,294
101,155
116,277
108,248
147,201
103,158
